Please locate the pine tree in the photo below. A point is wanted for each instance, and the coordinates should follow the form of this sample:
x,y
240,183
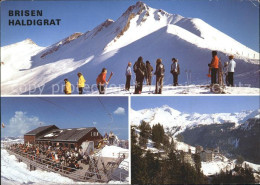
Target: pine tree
x,y
157,134
173,168
197,162
249,176
143,142
133,136
153,167
145,132
145,129
240,160
173,144
180,137
138,166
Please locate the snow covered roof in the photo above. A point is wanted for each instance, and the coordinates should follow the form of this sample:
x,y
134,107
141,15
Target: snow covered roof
x,y
72,134
41,130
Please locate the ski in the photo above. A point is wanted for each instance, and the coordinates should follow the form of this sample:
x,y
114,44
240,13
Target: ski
x,y
111,74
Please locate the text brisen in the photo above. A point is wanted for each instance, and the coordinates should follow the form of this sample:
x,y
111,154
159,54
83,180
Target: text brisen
x,y
19,13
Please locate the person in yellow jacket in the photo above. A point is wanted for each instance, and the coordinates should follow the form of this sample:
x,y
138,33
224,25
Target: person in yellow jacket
x,y
81,83
67,88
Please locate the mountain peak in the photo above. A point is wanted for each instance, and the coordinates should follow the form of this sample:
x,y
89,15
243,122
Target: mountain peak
x,y
141,6
22,43
138,8
165,106
28,41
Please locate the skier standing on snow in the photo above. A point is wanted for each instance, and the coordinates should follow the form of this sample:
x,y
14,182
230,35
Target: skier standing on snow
x,y
128,75
101,81
231,69
175,71
67,88
226,73
139,69
149,73
159,76
214,67
81,83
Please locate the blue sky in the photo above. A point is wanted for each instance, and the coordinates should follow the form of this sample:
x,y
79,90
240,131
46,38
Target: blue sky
x,y
199,104
237,18
20,114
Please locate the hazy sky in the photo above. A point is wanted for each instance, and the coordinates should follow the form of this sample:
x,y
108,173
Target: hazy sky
x,y
199,104
21,114
237,18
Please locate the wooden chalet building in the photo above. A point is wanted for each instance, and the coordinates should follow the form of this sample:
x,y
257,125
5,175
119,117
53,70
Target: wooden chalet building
x,y
72,137
31,136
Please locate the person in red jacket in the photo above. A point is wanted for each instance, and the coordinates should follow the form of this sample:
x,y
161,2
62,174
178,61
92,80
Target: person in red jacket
x,y
101,81
214,67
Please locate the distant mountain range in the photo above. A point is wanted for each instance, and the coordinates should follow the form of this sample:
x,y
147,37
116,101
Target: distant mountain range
x,y
235,133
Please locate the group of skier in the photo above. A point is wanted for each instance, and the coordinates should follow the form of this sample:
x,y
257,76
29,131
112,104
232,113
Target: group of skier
x,y
110,138
101,82
144,71
80,85
216,70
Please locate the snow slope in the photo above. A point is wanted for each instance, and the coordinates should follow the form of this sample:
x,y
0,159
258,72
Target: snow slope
x,y
17,58
140,31
214,167
174,119
17,173
13,172
171,90
112,151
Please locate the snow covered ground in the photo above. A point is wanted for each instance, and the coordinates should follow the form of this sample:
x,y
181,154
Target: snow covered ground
x,y
255,167
112,151
214,167
184,147
14,173
27,68
181,89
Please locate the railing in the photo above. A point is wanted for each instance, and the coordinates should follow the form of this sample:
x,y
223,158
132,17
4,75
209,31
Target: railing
x,y
48,165
115,165
98,175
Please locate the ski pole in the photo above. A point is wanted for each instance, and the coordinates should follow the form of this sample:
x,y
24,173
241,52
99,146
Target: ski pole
x,y
190,77
186,71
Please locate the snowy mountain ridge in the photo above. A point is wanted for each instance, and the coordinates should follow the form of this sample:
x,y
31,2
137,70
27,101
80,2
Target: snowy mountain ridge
x,y
114,43
179,121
